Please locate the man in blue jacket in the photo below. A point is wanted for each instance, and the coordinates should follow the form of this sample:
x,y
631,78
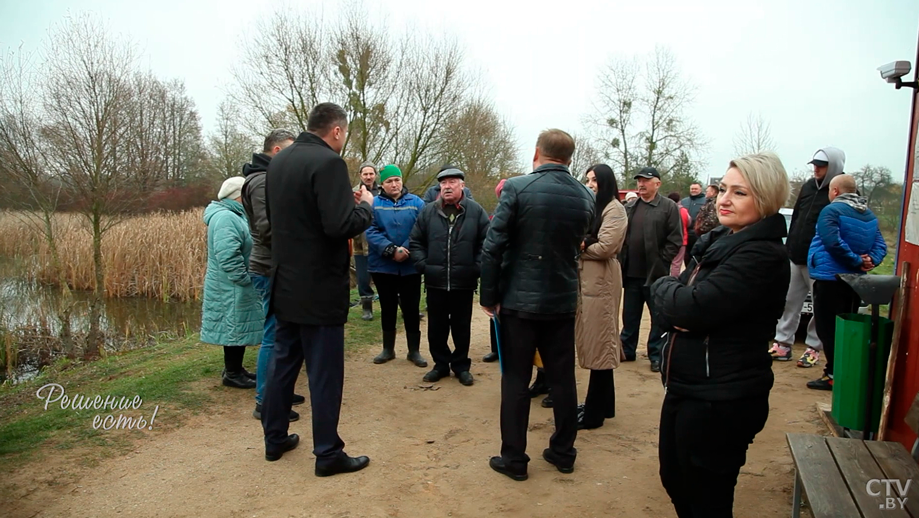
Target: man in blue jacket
x,y
848,240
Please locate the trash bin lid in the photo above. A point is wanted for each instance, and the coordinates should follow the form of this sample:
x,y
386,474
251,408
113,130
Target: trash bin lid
x,y
873,289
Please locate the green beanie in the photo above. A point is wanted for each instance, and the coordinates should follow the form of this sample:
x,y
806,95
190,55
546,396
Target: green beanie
x,y
388,172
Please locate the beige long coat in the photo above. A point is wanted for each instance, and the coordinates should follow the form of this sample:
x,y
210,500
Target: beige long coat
x,y
597,328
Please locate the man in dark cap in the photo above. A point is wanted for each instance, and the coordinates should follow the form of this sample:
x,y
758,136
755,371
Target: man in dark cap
x,y
433,192
653,239
446,245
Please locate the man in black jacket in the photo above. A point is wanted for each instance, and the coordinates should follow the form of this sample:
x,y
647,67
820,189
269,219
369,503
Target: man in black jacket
x,y
530,284
253,197
433,191
828,163
653,238
313,213
693,203
446,244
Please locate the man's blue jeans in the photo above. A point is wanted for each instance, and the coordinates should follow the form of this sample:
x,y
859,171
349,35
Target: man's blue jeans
x,y
363,276
263,287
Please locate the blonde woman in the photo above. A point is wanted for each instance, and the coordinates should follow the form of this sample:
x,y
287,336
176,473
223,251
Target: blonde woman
x,y
721,314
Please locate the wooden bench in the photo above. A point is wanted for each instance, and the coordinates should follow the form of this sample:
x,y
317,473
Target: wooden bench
x,y
843,478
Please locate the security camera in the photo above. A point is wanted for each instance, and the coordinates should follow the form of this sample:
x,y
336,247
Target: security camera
x,y
892,72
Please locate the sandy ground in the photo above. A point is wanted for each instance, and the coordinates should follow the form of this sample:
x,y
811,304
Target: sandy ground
x,y
429,454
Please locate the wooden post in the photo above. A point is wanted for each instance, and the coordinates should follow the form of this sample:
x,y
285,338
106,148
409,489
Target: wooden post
x,y
894,346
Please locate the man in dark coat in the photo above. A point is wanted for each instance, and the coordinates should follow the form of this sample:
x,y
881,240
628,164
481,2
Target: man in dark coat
x,y
653,239
254,203
313,214
446,245
530,283
433,191
693,203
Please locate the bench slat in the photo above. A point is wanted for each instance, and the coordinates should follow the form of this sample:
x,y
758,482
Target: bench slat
x,y
897,463
824,487
858,466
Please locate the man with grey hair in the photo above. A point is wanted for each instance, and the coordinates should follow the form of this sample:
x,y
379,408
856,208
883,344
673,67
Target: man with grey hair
x,y
367,174
253,199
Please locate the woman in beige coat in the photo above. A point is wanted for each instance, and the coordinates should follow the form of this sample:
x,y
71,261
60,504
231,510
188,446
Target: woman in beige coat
x,y
597,328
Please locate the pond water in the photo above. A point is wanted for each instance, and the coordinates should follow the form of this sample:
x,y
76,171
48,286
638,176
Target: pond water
x,y
29,318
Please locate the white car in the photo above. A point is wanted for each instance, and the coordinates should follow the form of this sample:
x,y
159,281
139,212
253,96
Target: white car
x,y
808,307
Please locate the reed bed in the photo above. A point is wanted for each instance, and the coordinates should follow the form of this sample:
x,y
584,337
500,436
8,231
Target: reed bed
x,y
160,255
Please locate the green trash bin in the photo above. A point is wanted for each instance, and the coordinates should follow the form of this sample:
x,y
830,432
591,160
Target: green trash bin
x,y
850,370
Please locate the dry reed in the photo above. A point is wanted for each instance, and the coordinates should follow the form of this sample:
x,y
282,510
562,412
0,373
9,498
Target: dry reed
x,y
162,255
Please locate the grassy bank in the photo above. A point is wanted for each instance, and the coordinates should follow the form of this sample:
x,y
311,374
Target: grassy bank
x,y
180,376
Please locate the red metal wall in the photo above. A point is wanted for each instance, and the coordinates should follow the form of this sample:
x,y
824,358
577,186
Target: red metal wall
x,y
906,377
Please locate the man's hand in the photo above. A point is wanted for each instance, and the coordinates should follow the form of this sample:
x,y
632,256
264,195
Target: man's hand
x,y
582,246
491,312
400,255
867,263
363,195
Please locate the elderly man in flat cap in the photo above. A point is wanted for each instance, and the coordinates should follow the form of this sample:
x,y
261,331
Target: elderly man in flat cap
x,y
446,244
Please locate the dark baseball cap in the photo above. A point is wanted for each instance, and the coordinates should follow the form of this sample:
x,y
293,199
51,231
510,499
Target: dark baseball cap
x,y
820,159
451,173
648,172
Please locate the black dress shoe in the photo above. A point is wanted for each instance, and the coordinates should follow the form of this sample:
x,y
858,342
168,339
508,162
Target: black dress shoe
x,y
547,402
553,459
250,375
583,424
466,378
497,464
257,413
290,443
344,464
655,366
237,380
629,358
297,400
434,376
490,357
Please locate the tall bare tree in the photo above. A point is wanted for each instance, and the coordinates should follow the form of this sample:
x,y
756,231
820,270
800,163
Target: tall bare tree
x,y
642,112
22,159
754,136
873,181
229,147
586,154
87,100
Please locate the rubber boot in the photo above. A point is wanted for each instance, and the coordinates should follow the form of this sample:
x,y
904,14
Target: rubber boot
x,y
389,348
367,306
414,345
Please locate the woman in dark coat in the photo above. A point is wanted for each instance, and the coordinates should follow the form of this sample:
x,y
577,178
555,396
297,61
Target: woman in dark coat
x,y
721,314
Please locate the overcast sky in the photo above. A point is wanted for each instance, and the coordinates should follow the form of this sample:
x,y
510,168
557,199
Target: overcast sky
x,y
808,66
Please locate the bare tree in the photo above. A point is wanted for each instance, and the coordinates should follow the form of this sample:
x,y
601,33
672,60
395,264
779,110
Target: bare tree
x,y
615,110
369,71
873,181
482,144
642,113
22,159
87,101
432,95
754,136
229,147
585,155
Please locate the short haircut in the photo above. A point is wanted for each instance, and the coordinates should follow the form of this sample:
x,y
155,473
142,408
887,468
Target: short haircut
x,y
276,138
767,179
696,183
675,196
324,117
556,145
845,183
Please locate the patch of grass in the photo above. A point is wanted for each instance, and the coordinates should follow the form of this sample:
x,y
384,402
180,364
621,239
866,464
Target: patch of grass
x,y
166,374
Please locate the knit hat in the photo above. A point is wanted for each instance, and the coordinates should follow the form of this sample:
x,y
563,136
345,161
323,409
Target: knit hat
x,y
389,171
500,187
231,188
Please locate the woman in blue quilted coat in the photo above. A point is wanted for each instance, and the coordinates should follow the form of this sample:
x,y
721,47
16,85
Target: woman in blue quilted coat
x,y
392,267
232,311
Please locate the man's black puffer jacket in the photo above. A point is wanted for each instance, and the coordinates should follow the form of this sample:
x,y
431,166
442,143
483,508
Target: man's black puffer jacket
x,y
730,311
450,259
530,257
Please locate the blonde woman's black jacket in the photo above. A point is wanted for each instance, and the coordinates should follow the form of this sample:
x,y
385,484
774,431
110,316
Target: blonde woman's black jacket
x,y
730,309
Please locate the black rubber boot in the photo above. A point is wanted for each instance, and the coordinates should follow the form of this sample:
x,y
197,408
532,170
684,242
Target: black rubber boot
x,y
367,306
389,348
414,345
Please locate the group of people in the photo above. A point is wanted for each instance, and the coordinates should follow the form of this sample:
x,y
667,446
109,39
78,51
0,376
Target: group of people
x,y
552,266
832,231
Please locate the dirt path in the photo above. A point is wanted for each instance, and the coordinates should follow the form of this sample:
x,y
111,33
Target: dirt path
x,y
429,456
